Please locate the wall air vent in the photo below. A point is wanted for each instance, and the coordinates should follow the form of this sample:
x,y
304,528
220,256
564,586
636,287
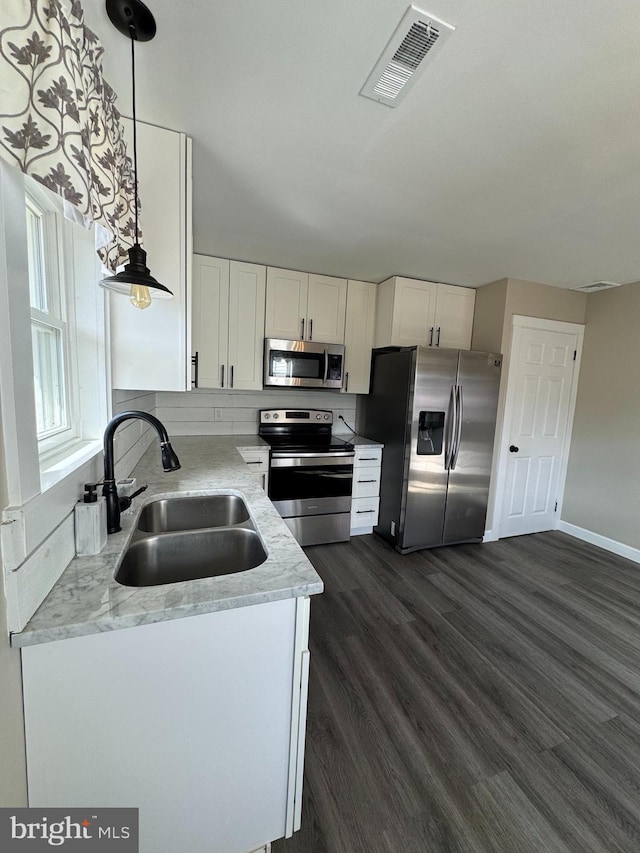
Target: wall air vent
x,y
414,42
596,285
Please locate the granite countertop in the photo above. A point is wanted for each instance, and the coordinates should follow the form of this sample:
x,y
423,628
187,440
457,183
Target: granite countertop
x,y
87,600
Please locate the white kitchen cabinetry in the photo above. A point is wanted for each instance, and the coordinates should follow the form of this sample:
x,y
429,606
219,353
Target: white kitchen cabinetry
x,y
411,312
258,461
199,722
151,349
305,306
454,316
366,489
228,323
358,335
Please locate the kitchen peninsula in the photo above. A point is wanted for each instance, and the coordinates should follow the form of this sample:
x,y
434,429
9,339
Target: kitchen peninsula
x,y
187,700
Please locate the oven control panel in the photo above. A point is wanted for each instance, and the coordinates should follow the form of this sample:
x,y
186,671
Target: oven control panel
x,y
296,416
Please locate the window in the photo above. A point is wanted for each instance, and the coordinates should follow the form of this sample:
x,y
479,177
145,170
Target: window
x,y
51,301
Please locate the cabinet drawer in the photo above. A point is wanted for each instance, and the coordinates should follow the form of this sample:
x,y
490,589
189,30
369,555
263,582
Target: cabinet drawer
x,y
366,482
364,512
257,459
368,457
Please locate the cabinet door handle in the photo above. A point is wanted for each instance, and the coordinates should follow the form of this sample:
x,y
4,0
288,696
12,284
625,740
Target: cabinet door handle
x,y
367,481
368,459
438,341
194,362
364,511
431,336
222,381
302,332
346,382
310,330
231,382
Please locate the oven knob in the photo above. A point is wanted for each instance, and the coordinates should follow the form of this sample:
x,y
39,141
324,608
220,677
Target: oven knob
x,y
326,417
276,416
267,416
318,417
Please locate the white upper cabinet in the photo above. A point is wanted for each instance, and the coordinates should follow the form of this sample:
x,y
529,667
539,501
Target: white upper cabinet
x,y
426,313
228,323
286,308
304,306
210,334
406,312
454,316
151,349
326,309
247,286
358,335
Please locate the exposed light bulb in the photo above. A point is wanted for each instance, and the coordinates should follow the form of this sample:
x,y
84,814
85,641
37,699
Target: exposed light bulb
x,y
140,296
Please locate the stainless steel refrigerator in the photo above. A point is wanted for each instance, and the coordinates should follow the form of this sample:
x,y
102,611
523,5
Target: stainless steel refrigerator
x,y
435,411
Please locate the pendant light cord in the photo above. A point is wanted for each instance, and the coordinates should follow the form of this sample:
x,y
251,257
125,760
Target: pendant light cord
x,y
132,31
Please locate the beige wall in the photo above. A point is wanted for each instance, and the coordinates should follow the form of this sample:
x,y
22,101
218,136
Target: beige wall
x,y
531,299
496,303
602,493
488,316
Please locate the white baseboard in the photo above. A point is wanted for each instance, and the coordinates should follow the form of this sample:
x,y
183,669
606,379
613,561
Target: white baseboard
x,y
612,545
490,536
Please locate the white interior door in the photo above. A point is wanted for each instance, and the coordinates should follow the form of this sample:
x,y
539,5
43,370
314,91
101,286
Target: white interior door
x,y
539,410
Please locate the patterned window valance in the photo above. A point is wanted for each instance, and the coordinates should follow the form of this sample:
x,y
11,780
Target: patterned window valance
x,y
58,117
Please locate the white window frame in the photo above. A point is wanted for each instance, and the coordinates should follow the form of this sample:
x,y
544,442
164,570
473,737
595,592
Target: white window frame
x,y
37,500
57,266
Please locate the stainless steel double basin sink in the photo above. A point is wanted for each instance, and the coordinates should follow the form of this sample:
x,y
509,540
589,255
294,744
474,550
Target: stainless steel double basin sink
x,y
188,537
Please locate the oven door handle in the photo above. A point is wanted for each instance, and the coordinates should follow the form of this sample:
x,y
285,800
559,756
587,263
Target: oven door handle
x,y
308,454
308,460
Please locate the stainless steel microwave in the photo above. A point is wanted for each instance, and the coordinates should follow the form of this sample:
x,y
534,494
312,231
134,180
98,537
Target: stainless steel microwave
x,y
303,364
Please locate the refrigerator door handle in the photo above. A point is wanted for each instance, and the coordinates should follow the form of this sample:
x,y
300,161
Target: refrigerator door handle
x,y
450,429
457,432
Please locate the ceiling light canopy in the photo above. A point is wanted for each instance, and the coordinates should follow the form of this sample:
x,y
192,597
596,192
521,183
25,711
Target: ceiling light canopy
x,y
134,20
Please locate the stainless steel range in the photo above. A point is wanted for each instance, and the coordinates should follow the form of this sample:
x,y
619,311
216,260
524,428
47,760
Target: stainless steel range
x,y
310,473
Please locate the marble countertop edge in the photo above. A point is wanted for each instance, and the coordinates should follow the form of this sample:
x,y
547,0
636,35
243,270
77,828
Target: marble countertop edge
x,y
87,600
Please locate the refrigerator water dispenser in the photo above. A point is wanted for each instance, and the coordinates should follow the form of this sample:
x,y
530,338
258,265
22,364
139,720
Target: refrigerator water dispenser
x,y
430,433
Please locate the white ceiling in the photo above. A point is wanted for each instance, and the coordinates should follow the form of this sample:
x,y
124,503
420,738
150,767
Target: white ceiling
x,y
517,153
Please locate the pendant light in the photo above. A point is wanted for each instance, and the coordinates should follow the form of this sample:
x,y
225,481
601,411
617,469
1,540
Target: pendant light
x,y
134,20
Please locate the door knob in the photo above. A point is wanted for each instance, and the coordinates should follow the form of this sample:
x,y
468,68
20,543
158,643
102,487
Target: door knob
x,y
513,448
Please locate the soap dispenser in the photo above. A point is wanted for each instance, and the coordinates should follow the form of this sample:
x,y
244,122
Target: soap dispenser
x,y
91,522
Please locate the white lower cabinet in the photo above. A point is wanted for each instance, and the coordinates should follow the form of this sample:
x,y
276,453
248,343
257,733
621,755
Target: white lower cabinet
x,y
258,462
366,489
199,722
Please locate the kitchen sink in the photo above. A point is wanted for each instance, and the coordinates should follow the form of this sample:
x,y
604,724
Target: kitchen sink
x,y
192,512
187,556
188,537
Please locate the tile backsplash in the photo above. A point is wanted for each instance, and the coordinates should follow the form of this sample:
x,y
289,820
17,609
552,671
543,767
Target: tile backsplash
x,y
217,412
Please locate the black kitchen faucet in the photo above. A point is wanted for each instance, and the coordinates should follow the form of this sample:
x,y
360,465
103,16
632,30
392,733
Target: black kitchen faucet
x,y
170,462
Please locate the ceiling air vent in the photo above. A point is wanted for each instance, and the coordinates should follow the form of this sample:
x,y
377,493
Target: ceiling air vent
x,y
415,40
596,285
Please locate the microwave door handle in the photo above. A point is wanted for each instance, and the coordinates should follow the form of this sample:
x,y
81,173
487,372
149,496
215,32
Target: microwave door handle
x,y
326,367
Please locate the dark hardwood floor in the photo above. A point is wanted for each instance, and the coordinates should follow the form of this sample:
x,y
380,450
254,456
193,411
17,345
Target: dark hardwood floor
x,y
473,698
